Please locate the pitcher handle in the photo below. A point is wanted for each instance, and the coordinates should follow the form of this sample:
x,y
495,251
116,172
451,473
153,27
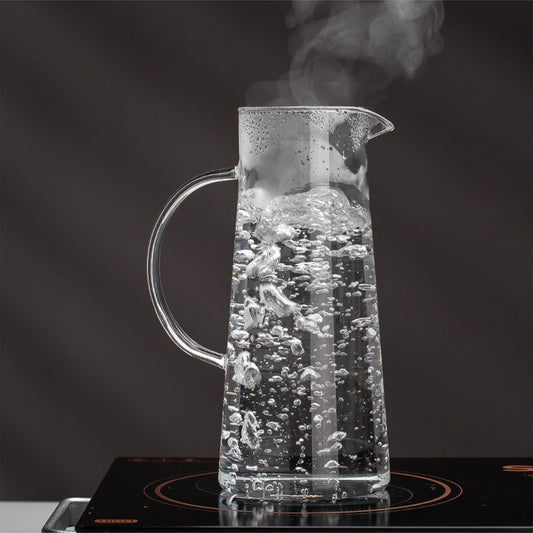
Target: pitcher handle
x,y
162,310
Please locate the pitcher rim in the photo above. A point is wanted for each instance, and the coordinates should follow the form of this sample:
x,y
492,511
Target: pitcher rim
x,y
386,125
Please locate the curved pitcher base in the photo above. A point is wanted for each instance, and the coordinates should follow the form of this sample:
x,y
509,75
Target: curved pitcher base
x,y
287,487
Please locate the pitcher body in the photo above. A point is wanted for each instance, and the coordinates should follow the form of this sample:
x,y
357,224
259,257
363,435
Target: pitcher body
x,y
303,400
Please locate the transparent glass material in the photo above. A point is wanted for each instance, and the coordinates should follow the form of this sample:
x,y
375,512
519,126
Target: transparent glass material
x,y
303,414
370,511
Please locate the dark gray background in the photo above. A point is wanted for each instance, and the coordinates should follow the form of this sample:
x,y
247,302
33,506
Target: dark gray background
x,y
108,107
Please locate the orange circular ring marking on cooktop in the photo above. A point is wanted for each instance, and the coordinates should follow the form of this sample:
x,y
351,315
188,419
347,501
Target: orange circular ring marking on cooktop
x,y
517,468
446,484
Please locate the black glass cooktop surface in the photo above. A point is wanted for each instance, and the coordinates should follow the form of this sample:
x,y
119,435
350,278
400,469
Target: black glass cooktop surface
x,y
175,494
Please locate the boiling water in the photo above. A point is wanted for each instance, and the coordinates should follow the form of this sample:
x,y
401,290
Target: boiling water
x,y
303,412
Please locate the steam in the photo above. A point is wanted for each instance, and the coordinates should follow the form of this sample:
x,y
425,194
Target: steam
x,y
348,52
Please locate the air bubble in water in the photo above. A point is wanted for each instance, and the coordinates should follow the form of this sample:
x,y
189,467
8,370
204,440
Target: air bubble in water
x,y
353,251
309,373
254,314
274,299
250,431
246,372
264,263
337,436
296,346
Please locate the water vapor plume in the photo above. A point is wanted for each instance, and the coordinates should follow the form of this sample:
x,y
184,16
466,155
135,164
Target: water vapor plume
x,y
348,52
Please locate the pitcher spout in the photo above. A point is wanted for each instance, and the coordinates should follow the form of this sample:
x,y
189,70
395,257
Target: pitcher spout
x,y
379,124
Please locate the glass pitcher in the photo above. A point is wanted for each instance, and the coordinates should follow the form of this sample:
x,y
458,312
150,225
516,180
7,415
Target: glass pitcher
x,y
303,415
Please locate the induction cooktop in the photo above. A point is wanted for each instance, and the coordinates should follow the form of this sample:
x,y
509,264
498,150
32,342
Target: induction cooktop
x,y
182,494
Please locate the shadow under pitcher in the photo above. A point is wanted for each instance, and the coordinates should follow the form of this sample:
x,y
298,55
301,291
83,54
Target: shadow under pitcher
x,y
303,415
